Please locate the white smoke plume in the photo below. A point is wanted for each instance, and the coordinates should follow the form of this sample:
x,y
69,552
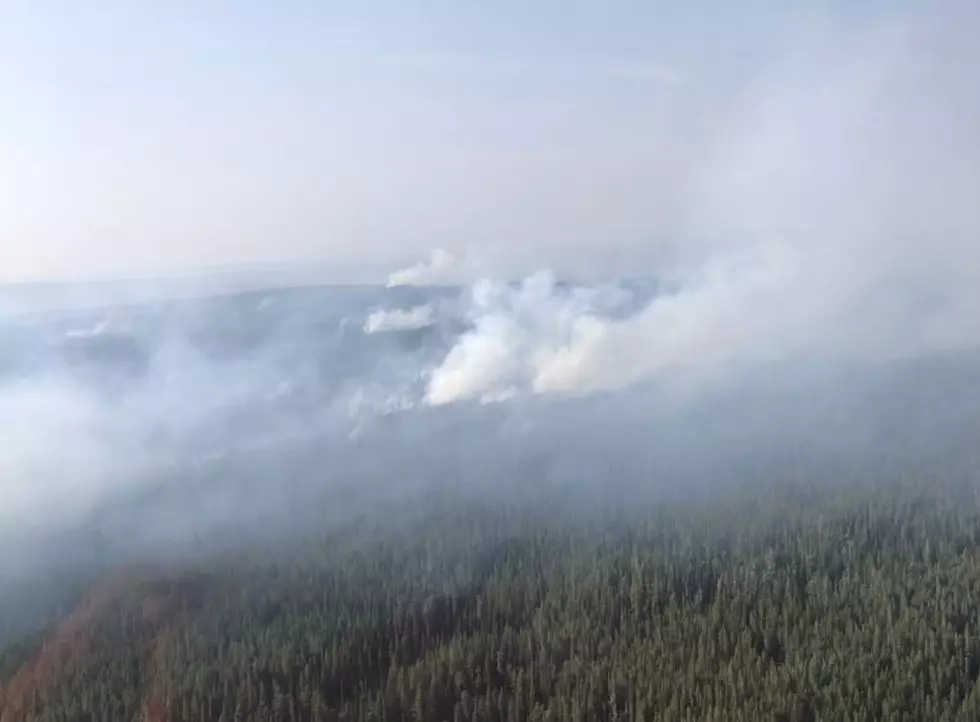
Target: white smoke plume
x,y
514,331
398,319
439,269
841,184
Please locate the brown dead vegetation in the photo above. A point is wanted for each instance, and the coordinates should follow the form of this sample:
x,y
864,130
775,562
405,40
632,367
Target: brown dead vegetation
x,y
157,603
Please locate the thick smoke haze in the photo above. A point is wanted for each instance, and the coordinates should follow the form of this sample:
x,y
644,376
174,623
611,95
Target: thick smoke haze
x,y
840,185
819,309
179,427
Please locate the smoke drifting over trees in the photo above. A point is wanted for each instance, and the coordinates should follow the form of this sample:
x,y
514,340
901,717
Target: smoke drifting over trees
x,y
812,325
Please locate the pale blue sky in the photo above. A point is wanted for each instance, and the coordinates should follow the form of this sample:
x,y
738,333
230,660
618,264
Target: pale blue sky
x,y
141,136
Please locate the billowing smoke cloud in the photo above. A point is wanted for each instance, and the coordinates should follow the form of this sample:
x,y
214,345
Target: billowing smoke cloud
x,y
514,331
399,319
737,309
839,188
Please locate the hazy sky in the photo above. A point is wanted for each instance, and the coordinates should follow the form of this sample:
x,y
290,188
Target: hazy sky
x,y
141,136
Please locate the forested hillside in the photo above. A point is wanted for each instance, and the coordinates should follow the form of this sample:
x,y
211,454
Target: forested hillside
x,y
848,600
500,362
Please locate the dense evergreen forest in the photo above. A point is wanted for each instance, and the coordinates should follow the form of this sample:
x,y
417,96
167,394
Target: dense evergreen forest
x,y
846,600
